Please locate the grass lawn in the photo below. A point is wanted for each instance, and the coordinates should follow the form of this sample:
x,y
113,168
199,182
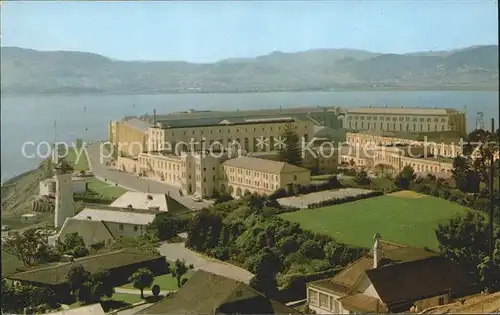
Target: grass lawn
x,y
80,162
127,298
104,188
166,282
404,217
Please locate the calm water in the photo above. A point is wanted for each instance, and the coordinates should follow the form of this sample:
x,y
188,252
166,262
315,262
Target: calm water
x,y
32,118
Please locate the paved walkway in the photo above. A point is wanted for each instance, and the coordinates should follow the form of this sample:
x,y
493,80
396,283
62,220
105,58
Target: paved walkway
x,y
175,251
132,182
147,292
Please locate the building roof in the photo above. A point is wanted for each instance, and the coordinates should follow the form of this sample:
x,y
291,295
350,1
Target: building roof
x,y
137,123
206,293
417,279
263,165
146,201
208,122
94,309
404,275
244,113
363,303
116,215
344,281
400,111
91,231
56,274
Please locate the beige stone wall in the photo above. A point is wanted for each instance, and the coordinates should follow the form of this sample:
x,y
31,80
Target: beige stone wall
x,y
128,139
240,181
125,230
246,135
406,122
127,164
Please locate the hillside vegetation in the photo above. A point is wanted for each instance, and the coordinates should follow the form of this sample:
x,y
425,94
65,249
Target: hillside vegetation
x,y
29,71
18,192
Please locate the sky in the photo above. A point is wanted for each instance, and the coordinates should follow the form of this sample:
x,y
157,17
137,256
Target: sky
x,y
204,31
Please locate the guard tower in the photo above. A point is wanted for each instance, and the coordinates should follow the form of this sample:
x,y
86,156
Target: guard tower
x,y
64,193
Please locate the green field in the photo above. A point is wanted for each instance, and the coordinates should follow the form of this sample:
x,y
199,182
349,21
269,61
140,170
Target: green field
x,y
80,164
166,282
404,217
104,188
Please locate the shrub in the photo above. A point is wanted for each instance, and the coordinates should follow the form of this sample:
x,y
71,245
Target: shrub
x,y
184,280
446,194
155,290
337,201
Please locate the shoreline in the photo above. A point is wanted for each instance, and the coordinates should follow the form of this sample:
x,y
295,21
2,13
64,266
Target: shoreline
x,y
453,88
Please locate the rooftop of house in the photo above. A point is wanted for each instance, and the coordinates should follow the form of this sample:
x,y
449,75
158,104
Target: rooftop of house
x,y
263,165
207,293
403,274
117,215
56,274
401,110
149,201
475,304
91,231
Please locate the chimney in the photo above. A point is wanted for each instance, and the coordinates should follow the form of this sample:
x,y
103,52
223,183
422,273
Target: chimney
x,y
377,250
154,117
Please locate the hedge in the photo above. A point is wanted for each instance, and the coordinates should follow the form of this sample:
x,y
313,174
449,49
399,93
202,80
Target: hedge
x,y
337,201
295,288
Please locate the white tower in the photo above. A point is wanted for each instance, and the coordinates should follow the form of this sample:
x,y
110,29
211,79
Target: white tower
x,y
377,250
64,193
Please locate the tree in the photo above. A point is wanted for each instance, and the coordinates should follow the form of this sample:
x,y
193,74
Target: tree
x,y
76,276
362,178
291,151
333,182
155,290
464,239
224,197
405,177
30,247
179,269
166,227
141,279
311,249
467,180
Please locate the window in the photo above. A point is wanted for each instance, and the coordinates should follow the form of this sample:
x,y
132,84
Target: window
x,y
120,227
441,301
313,297
323,300
135,228
294,177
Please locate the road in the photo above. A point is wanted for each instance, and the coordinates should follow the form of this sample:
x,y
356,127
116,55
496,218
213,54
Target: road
x,y
132,182
132,310
175,251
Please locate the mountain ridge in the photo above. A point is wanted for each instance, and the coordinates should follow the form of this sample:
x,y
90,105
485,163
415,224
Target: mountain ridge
x,y
28,71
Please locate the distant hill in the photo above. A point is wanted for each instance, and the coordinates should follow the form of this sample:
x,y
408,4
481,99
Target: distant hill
x,y
26,71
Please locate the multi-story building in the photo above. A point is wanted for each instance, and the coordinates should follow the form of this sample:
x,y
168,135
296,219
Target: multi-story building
x,y
244,175
204,174
249,135
129,135
435,147
405,119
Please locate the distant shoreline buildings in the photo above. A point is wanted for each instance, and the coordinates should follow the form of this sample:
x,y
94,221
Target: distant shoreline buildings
x,y
156,146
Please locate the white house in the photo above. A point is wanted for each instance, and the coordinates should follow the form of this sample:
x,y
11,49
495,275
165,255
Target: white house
x,y
392,278
92,232
48,186
121,222
149,201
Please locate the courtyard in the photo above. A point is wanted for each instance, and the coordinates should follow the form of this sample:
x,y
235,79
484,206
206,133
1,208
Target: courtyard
x,y
404,217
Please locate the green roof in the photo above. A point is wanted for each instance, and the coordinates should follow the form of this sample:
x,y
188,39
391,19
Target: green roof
x,y
206,293
56,274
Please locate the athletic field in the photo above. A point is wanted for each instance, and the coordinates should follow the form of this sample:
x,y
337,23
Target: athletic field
x,y
404,217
